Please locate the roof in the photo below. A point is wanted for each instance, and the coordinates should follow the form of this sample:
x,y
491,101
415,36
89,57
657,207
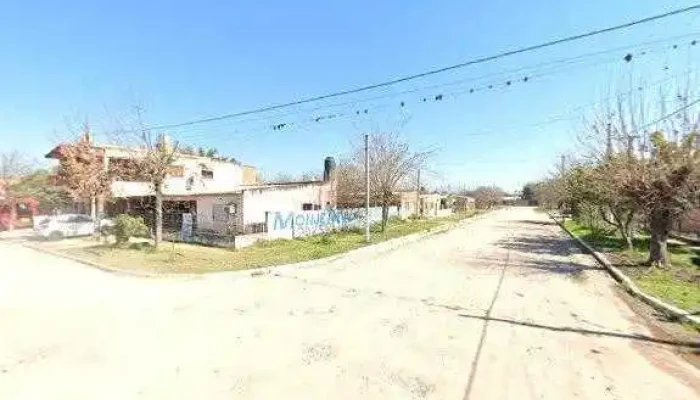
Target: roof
x,y
55,153
243,188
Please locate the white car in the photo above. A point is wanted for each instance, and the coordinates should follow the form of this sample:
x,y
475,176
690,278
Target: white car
x,y
67,225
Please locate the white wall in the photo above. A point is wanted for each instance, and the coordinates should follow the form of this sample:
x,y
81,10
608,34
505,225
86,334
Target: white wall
x,y
228,176
291,224
280,198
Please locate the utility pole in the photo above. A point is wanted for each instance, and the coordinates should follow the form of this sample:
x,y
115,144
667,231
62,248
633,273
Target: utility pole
x,y
608,142
418,207
630,146
367,238
562,167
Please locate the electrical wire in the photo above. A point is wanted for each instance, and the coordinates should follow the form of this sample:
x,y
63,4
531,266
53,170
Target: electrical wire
x,y
435,71
668,116
506,82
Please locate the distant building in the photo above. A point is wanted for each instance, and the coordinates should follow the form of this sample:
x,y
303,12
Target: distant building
x,y
222,195
426,205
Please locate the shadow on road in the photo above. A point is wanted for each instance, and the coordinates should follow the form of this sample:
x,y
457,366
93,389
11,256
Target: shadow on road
x,y
582,331
539,244
533,222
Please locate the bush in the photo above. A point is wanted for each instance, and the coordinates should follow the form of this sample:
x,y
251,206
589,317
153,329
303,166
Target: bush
x,y
126,226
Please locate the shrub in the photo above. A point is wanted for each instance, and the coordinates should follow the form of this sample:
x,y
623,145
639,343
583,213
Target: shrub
x,y
126,226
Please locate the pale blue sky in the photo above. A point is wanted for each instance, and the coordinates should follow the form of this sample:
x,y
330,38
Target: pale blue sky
x,y
69,61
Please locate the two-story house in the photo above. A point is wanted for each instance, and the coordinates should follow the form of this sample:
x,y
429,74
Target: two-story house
x,y
222,195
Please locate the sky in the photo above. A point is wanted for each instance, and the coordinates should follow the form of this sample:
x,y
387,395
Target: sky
x,y
65,63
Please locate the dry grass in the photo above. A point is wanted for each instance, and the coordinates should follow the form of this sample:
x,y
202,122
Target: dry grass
x,y
188,258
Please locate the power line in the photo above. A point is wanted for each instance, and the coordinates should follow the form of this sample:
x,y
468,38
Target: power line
x,y
435,71
247,133
282,124
669,115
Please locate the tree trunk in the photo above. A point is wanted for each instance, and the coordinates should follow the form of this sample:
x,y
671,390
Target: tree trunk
x,y
159,215
13,216
659,223
627,238
93,207
385,213
95,218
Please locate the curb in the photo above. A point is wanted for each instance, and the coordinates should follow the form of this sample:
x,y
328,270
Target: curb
x,y
385,246
96,265
629,285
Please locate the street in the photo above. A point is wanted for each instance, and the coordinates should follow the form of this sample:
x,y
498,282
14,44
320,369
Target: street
x,y
503,307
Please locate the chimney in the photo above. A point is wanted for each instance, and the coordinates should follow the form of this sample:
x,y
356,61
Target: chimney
x,y
328,169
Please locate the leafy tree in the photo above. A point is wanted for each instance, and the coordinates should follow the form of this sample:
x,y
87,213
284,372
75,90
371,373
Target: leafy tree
x,y
40,186
664,186
14,168
528,192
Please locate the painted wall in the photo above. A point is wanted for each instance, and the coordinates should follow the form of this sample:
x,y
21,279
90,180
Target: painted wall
x,y
227,176
291,224
256,202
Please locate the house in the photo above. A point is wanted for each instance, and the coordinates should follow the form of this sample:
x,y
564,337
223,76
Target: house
x,y
426,205
463,203
15,212
221,195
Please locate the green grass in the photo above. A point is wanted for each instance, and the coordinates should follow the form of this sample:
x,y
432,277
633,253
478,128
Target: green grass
x,y
189,258
675,284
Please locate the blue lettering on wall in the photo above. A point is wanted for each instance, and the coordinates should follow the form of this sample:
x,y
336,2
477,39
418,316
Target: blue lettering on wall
x,y
315,220
281,224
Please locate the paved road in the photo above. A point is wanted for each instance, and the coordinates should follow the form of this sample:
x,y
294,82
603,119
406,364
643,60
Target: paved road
x,y
501,308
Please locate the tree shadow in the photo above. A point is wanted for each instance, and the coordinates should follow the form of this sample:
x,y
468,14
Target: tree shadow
x,y
527,265
545,253
534,222
583,331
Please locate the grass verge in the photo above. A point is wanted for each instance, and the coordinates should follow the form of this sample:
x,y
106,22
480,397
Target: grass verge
x,y
679,284
188,258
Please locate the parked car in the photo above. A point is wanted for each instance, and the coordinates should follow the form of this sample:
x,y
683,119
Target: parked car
x,y
67,225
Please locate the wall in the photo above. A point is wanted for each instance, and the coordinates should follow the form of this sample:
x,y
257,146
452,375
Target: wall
x,y
205,212
258,201
250,175
227,176
291,224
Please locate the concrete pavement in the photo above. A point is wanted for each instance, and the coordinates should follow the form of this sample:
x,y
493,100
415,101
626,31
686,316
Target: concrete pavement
x,y
504,307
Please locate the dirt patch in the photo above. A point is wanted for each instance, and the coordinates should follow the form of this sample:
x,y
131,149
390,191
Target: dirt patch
x,y
663,328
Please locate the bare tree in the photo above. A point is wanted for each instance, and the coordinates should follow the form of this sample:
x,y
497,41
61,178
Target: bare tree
x,y
664,187
350,191
151,158
391,163
486,197
82,173
660,180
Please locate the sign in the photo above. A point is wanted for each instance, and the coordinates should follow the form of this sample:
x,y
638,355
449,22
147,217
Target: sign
x,y
186,228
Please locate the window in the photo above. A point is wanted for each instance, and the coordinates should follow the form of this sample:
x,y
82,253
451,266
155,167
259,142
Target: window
x,y
307,206
317,206
207,174
176,171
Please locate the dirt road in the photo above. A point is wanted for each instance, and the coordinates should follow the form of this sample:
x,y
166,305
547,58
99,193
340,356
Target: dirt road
x,y
504,307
